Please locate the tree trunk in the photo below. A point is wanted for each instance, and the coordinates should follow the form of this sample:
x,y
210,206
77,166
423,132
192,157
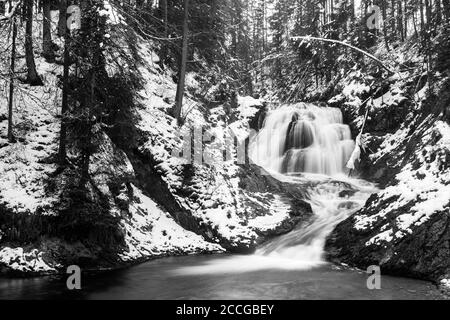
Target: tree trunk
x,y
405,21
64,103
86,148
428,13
164,49
400,19
422,20
62,22
166,18
182,70
415,23
32,75
47,45
11,81
2,8
393,18
438,12
384,16
446,5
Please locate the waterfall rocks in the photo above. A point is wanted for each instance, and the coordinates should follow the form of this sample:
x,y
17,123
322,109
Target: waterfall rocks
x,y
404,228
254,179
421,252
303,138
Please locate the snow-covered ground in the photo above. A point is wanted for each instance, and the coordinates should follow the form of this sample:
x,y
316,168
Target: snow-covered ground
x,y
403,226
230,214
215,195
424,184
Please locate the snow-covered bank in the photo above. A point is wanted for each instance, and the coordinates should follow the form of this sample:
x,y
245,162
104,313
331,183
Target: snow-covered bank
x,y
142,200
404,227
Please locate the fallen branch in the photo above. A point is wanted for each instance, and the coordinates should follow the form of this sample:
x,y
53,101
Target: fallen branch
x,y
308,38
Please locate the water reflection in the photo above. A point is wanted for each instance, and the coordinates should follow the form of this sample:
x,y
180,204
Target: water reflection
x,y
160,279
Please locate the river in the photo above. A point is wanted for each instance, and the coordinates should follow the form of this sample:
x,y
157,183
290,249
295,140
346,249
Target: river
x,y
300,144
161,279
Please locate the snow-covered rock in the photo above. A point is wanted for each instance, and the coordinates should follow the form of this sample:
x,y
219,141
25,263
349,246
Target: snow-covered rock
x,y
404,227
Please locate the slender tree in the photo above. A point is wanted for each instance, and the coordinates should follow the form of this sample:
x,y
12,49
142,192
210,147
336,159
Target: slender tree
x,y
11,80
446,9
64,102
62,21
47,44
182,70
2,8
32,75
164,46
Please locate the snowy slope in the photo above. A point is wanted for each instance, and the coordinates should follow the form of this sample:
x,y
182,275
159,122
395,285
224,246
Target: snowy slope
x,y
207,198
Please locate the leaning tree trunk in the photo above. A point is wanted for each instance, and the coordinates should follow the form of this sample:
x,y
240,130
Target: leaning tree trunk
x,y
47,45
32,75
182,71
11,81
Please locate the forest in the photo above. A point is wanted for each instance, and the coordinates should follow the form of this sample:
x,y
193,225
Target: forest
x,y
290,134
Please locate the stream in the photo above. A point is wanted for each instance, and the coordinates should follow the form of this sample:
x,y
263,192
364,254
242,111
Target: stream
x,y
300,144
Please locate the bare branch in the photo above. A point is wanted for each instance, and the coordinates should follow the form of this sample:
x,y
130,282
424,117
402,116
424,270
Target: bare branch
x,y
7,16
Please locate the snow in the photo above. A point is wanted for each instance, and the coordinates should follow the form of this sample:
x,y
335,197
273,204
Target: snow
x,y
279,211
113,17
385,236
445,283
355,88
219,201
422,184
248,106
18,260
391,98
444,130
151,231
391,142
24,165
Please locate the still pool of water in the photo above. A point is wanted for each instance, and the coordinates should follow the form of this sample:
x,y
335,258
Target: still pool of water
x,y
169,278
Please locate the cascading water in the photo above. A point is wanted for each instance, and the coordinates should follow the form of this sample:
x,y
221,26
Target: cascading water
x,y
308,146
303,138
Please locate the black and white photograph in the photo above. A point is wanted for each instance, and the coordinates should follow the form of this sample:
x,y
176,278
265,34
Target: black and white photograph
x,y
242,151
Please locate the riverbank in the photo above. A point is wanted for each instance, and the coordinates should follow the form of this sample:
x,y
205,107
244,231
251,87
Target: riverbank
x,y
404,227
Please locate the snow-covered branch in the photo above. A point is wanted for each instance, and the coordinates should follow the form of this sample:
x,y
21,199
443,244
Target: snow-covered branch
x,y
309,38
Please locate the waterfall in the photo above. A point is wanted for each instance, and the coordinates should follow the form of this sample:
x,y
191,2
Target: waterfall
x,y
307,146
303,138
